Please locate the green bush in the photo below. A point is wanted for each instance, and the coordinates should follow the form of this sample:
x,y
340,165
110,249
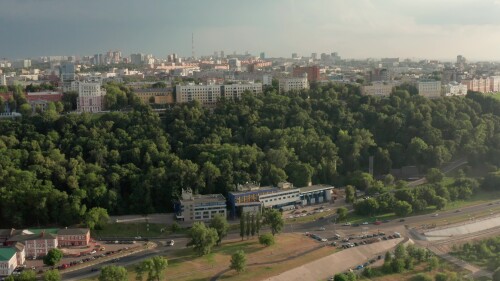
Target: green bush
x,y
266,239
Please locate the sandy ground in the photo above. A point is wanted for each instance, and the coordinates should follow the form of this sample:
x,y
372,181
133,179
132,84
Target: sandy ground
x,y
463,229
339,262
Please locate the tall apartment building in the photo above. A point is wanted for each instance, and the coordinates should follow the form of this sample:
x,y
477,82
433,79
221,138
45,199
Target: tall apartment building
x,y
207,95
234,91
495,84
481,84
90,96
3,80
429,89
311,71
293,84
137,59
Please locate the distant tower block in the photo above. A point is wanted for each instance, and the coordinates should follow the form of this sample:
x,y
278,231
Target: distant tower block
x,y
370,165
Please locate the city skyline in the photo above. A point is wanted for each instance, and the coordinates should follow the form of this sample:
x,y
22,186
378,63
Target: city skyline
x,y
354,29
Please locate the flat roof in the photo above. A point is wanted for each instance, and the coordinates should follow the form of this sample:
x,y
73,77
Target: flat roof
x,y
7,253
205,198
73,231
316,187
256,191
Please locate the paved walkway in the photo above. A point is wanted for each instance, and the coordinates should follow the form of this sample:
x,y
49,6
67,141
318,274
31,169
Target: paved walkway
x,y
336,263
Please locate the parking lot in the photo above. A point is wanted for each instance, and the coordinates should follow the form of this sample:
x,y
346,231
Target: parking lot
x,y
76,257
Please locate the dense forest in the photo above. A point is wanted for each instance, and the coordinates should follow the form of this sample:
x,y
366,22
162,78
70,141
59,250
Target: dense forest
x,y
53,168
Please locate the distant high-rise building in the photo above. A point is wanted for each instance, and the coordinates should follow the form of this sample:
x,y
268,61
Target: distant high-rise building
x,y
3,80
314,56
137,59
67,72
234,64
222,56
294,55
216,55
262,55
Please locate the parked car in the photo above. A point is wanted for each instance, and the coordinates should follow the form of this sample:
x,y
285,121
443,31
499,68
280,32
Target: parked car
x,y
365,223
171,243
322,228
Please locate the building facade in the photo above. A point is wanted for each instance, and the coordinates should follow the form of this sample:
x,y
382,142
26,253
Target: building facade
x,y
293,84
199,207
429,89
312,72
155,95
90,97
495,84
40,100
282,199
207,95
455,89
478,84
378,89
234,91
36,245
8,261
73,237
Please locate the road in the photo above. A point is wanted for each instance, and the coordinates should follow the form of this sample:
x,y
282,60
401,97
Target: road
x,y
312,227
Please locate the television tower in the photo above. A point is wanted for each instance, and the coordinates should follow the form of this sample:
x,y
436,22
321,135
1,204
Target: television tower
x,y
192,45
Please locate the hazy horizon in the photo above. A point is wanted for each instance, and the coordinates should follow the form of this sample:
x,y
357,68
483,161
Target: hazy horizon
x,y
356,29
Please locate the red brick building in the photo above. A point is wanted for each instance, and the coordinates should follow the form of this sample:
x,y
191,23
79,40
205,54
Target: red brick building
x,y
73,237
312,72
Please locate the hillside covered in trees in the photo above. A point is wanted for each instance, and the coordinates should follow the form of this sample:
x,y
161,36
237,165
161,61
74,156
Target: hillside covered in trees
x,y
55,168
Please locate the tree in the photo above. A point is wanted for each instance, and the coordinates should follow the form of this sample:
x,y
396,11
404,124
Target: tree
x,y
113,273
202,238
350,194
248,225
238,261
153,267
397,265
258,220
53,257
252,228
25,109
367,207
340,277
26,275
434,175
402,208
242,225
440,202
441,276
421,277
175,227
220,224
266,239
52,275
496,275
342,213
433,263
96,218
400,251
275,220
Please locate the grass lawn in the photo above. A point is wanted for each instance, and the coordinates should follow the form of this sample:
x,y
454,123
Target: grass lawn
x,y
496,96
478,198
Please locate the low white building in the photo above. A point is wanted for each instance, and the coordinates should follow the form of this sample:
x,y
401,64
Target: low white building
x,y
429,89
8,261
455,89
293,84
200,207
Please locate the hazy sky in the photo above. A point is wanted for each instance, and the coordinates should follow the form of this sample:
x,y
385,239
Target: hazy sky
x,y
353,28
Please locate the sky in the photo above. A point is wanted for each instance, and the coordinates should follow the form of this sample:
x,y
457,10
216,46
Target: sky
x,y
433,29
